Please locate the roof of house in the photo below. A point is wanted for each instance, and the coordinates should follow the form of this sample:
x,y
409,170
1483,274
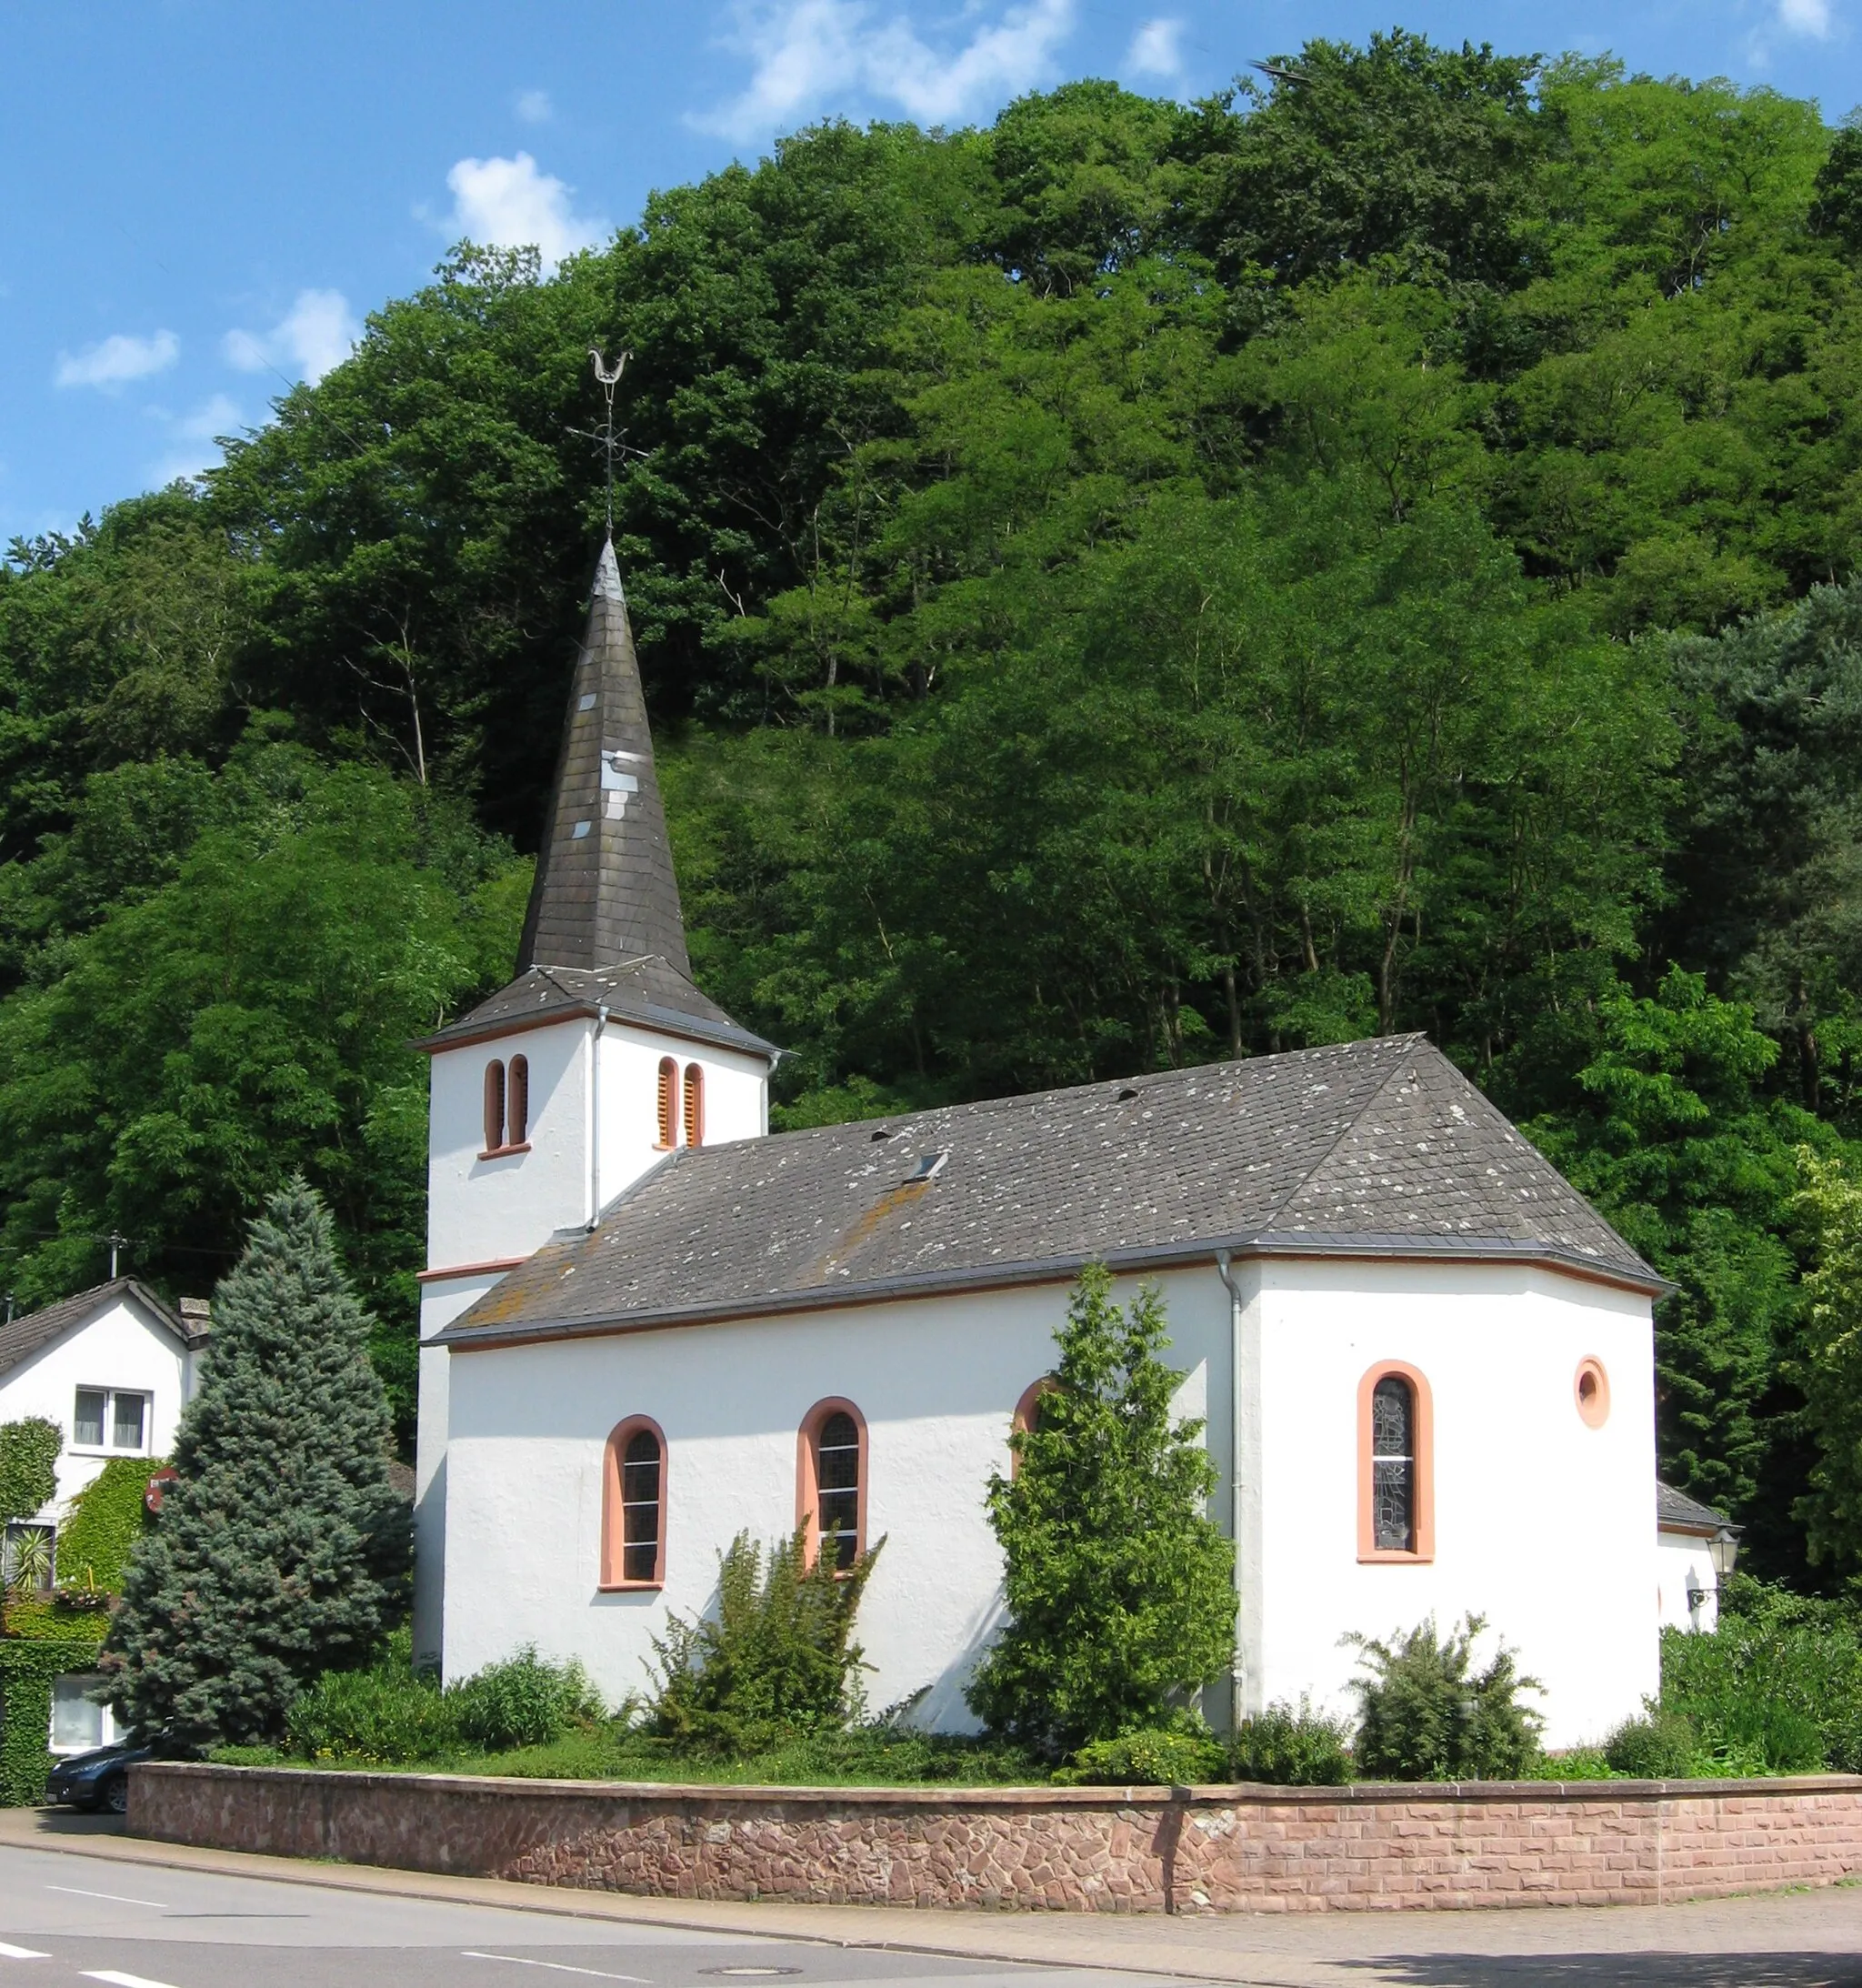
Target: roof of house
x,y
23,1337
1675,1511
1379,1147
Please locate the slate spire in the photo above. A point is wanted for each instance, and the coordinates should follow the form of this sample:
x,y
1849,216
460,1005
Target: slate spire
x,y
604,889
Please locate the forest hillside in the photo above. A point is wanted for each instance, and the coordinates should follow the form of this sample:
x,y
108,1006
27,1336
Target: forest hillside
x,y
1130,586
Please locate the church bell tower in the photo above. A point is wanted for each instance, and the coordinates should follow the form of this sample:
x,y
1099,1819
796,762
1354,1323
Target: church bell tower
x,y
600,1060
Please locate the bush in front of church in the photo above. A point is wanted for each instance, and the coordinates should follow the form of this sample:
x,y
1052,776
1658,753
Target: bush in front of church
x,y
1426,1714
1291,1747
1120,1589
282,1550
778,1661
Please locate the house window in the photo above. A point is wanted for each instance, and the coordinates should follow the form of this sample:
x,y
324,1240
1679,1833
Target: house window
x,y
517,1102
119,1414
1395,1505
494,1106
831,1481
668,1101
695,1105
29,1558
633,1518
78,1724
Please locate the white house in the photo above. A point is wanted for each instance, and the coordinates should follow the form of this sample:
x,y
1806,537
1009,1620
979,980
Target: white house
x,y
1423,1362
1695,1545
112,1368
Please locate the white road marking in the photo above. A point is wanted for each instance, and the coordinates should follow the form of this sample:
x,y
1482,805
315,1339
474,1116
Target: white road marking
x,y
21,1953
121,1980
560,1967
115,1898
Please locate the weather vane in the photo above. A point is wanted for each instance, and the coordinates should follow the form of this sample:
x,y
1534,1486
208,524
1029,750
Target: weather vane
x,y
613,445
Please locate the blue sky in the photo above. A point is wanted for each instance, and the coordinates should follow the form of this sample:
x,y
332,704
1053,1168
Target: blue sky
x,y
203,197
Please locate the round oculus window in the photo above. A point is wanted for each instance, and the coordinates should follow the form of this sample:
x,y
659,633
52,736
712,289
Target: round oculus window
x,y
1592,1389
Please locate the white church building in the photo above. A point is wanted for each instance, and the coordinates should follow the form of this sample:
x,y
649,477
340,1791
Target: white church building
x,y
1424,1362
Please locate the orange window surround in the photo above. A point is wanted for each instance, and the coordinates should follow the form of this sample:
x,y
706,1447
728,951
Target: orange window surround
x,y
1028,1415
695,1104
1591,1385
494,1106
1395,1465
669,1103
517,1103
831,1480
633,1506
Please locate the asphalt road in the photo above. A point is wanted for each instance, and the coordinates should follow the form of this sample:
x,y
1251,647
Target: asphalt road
x,y
66,1918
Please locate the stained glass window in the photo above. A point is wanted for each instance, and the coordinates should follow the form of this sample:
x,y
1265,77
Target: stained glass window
x,y
837,1486
640,1508
1393,1465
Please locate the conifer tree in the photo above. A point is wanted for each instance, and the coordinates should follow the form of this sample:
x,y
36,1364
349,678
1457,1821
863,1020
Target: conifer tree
x,y
1120,1589
282,1550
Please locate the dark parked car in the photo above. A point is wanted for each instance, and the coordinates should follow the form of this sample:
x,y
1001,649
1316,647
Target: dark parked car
x,y
99,1779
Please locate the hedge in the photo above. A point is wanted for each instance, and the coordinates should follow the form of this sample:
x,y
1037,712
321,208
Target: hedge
x,y
28,1451
26,1671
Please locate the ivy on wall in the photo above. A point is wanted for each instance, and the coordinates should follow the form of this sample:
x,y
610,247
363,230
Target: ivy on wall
x,y
26,1672
106,1521
28,1451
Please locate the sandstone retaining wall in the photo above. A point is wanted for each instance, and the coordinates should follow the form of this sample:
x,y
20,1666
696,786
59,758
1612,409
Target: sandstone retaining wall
x,y
1245,1849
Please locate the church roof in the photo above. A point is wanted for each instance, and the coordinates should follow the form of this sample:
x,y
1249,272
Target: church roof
x,y
604,889
604,929
1379,1147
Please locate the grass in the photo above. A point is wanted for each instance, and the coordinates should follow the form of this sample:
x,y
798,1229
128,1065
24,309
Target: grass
x,y
868,1758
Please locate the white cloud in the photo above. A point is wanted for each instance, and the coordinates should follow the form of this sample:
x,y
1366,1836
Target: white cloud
x,y
509,204
114,360
1153,49
809,54
317,332
534,108
1810,17
194,443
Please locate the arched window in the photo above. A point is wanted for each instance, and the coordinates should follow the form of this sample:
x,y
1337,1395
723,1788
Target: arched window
x,y
831,1481
695,1105
494,1106
1028,1415
633,1506
517,1102
1396,1496
669,1103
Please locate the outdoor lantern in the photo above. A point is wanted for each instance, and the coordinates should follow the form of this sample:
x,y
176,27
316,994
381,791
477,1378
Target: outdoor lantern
x,y
1722,1549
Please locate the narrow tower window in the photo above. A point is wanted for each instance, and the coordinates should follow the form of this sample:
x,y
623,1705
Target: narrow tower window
x,y
668,1101
494,1106
831,1489
518,1104
633,1518
695,1105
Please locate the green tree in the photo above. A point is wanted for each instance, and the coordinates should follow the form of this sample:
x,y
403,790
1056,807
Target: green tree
x,y
1829,1365
282,1550
1120,1589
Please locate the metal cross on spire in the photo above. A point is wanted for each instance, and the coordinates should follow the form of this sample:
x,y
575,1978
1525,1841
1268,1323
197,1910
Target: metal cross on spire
x,y
608,378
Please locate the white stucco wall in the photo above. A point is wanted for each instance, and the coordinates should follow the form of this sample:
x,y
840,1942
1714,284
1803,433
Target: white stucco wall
x,y
123,1348
1542,1523
937,1381
1682,1560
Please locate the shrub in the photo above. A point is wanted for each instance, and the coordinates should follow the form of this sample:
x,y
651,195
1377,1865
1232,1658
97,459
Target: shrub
x,y
1120,1589
1152,1758
1773,1653
1292,1749
1425,1714
386,1715
1659,1746
1579,1763
524,1700
777,1659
